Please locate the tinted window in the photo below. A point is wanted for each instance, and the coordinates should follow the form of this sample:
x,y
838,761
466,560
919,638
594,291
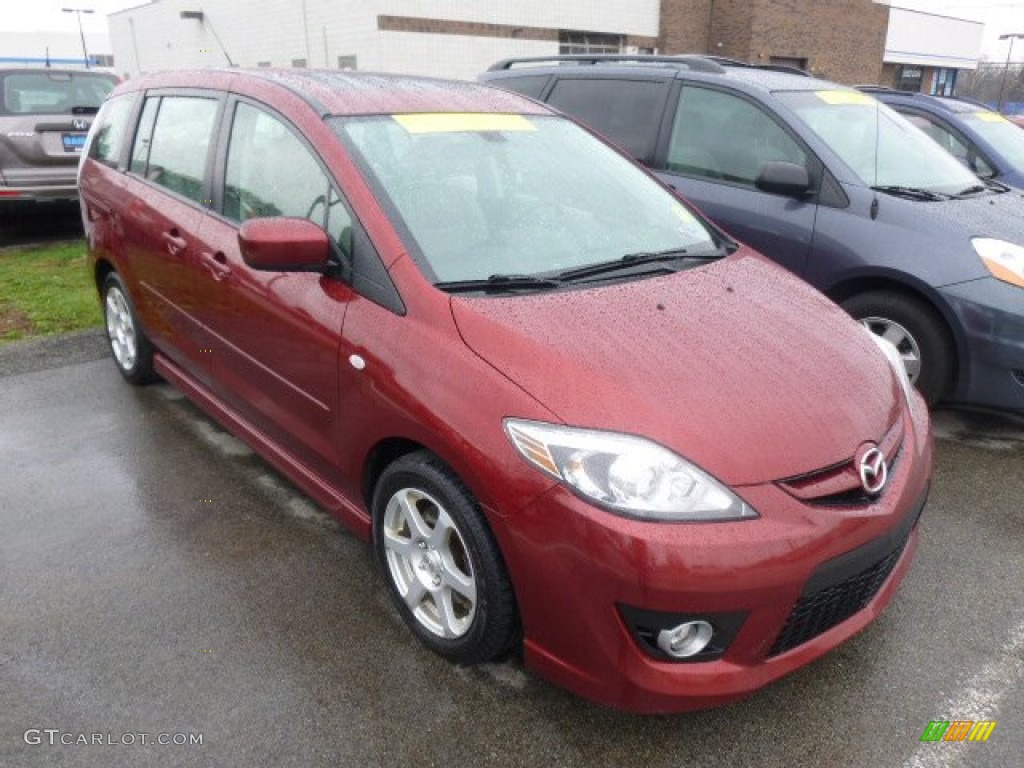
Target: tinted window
x,y
721,136
528,85
179,144
42,92
626,111
111,126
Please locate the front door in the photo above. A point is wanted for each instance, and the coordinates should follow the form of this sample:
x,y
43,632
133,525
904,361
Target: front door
x,y
719,143
275,335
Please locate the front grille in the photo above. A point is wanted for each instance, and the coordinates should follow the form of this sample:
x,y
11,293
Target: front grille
x,y
839,485
823,609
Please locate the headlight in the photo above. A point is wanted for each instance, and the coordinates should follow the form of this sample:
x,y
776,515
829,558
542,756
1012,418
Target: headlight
x,y
893,356
1004,260
625,474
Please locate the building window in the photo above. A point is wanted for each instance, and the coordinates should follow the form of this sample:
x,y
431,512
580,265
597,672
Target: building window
x,y
347,62
263,64
908,78
944,82
788,61
588,42
298,62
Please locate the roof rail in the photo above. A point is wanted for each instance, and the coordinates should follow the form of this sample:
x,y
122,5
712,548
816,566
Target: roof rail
x,y
786,68
870,88
692,62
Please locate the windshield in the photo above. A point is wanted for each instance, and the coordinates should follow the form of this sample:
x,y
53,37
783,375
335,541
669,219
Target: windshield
x,y
50,93
480,195
880,146
1006,137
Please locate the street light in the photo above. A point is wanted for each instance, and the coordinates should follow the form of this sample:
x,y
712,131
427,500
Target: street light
x,y
78,12
1002,83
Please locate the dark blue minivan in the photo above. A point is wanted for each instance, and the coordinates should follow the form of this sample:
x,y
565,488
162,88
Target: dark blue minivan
x,y
832,184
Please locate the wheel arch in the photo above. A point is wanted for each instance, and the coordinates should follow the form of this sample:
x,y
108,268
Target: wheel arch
x,y
911,287
102,268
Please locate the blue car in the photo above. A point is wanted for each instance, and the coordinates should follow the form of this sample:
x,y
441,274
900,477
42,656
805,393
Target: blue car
x,y
983,140
835,186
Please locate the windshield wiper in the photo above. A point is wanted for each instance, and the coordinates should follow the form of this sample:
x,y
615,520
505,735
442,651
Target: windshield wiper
x,y
631,260
498,283
914,193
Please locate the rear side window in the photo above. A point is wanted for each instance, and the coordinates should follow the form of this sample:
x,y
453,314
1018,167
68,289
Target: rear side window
x,y
51,93
528,85
111,127
627,112
174,154
718,135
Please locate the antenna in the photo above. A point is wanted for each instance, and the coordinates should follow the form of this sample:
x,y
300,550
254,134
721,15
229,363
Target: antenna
x,y
878,149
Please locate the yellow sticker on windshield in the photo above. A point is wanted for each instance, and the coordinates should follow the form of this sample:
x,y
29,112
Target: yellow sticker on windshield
x,y
991,117
463,122
844,97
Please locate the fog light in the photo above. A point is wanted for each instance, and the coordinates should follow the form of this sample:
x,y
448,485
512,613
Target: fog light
x,y
685,640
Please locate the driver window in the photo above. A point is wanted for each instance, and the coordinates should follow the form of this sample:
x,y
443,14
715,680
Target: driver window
x,y
271,173
717,135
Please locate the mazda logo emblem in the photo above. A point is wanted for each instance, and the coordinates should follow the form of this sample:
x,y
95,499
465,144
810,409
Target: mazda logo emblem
x,y
80,125
872,469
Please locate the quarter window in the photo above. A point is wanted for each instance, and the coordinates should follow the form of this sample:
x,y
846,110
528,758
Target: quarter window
x,y
112,123
721,136
175,155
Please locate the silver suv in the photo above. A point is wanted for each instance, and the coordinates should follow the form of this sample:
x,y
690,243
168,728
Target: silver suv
x,y
44,117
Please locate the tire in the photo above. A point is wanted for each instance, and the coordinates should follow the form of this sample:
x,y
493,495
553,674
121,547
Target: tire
x,y
919,334
129,345
444,570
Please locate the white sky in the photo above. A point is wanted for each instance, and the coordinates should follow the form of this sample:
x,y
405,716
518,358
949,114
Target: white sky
x,y
1000,17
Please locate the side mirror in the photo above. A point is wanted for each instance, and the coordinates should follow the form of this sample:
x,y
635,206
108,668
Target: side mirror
x,y
781,178
284,245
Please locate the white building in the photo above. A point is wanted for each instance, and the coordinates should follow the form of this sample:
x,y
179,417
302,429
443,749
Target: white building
x,y
448,38
924,51
61,49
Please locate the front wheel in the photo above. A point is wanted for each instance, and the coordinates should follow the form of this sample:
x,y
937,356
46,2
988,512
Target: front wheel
x,y
918,333
129,345
443,568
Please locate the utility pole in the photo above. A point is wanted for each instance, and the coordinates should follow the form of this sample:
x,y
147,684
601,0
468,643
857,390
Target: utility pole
x,y
78,12
1002,83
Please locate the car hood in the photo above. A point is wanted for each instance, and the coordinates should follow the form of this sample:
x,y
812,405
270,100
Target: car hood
x,y
999,215
736,365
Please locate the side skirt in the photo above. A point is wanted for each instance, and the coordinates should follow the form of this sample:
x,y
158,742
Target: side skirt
x,y
356,519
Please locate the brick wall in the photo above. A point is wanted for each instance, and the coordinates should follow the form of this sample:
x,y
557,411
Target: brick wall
x,y
685,25
841,40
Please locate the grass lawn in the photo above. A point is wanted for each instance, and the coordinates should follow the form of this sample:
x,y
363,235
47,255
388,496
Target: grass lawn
x,y
45,290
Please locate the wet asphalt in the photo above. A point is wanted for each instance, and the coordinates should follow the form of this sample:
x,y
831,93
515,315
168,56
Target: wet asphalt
x,y
158,578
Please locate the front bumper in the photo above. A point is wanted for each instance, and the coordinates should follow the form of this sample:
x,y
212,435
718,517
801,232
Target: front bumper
x,y
991,315
576,567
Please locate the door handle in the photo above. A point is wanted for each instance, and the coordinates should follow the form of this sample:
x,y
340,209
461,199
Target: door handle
x,y
217,263
175,242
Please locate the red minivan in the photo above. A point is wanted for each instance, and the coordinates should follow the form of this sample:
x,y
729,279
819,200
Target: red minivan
x,y
571,414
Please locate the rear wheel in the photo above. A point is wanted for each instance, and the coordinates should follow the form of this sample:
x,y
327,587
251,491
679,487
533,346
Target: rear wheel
x,y
129,345
918,333
443,568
